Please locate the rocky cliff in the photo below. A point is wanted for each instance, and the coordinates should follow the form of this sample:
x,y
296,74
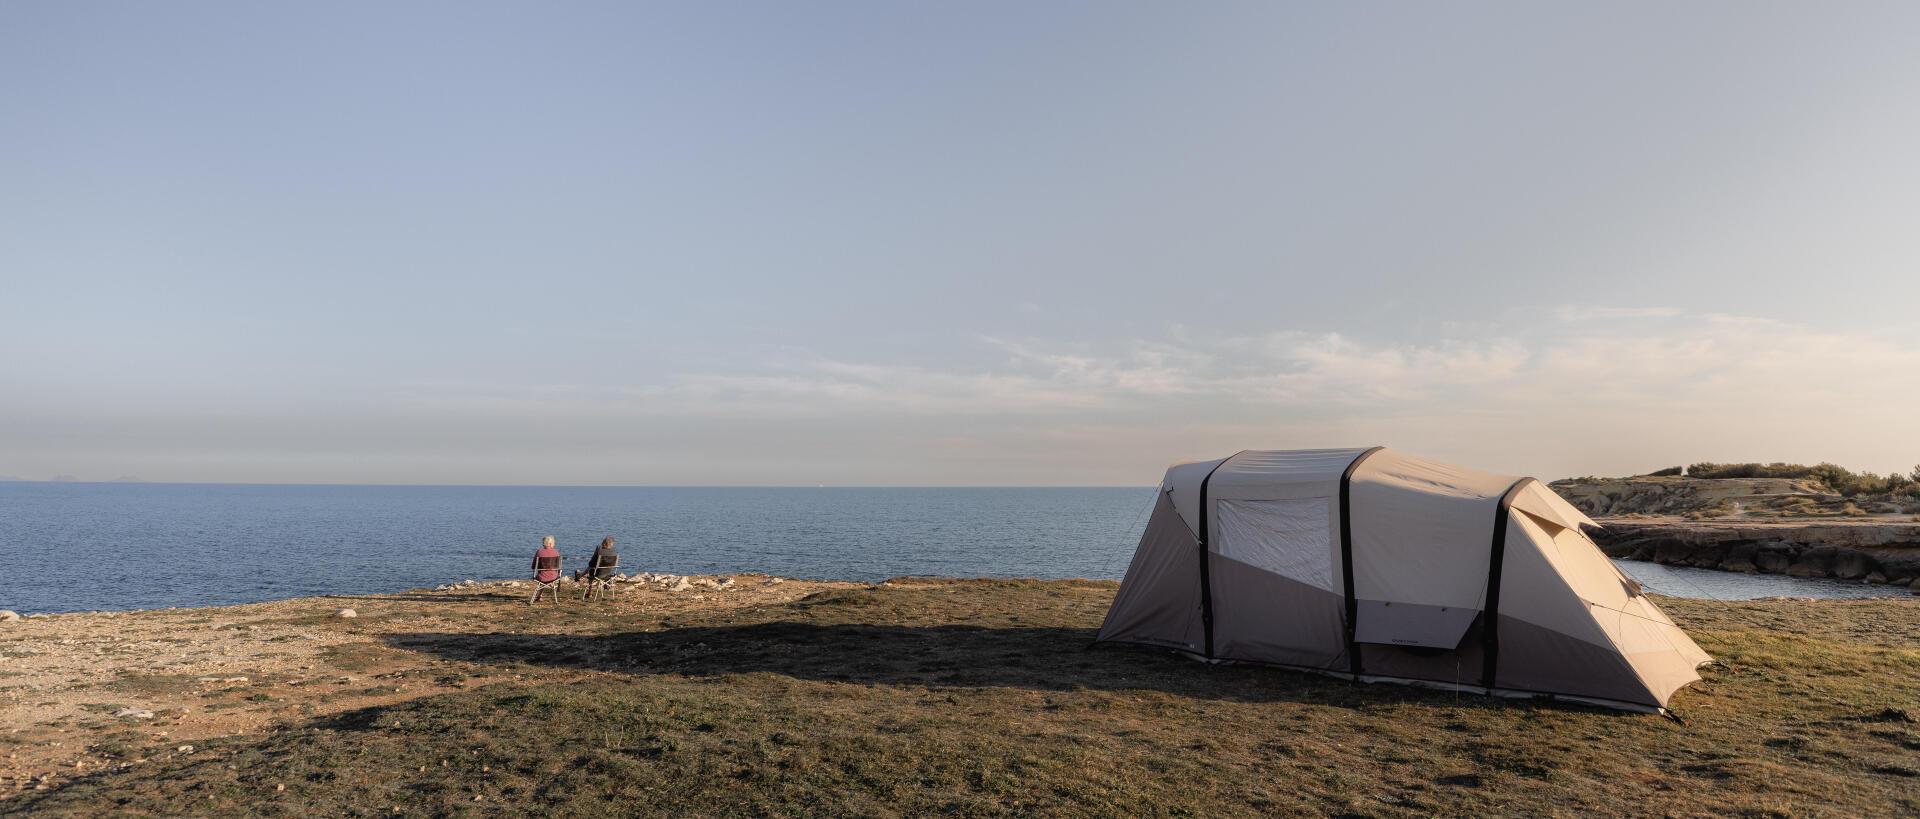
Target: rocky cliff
x,y
1707,498
1872,551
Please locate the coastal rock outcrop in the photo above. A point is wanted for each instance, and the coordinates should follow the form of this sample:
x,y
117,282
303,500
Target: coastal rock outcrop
x,y
1885,552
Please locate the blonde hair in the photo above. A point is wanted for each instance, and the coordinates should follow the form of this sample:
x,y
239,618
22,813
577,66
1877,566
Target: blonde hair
x,y
547,541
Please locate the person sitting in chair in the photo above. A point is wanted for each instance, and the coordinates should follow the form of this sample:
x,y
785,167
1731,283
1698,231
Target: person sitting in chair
x,y
601,565
546,570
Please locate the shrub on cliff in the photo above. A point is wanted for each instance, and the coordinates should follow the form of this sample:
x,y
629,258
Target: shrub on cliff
x,y
1835,477
1708,469
1673,471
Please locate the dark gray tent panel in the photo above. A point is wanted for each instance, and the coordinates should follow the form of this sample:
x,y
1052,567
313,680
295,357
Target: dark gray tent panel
x,y
1163,609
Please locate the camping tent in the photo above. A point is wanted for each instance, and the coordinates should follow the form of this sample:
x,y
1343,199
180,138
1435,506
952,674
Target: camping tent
x,y
1374,565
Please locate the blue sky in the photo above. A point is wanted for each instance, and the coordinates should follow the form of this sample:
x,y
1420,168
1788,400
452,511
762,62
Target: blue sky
x,y
962,243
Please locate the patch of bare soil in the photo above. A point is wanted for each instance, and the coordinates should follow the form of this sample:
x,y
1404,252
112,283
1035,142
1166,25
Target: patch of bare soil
x,y
87,692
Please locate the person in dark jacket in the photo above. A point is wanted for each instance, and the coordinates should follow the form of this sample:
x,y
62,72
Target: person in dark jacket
x,y
602,564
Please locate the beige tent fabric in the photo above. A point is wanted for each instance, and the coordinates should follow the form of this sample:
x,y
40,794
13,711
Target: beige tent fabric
x,y
1160,605
1416,524
1537,500
1569,622
1182,487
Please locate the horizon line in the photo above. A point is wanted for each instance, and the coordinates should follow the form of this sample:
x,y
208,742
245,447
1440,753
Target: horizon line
x,y
580,485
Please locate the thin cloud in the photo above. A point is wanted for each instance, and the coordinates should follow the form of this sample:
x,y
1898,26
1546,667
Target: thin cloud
x,y
1654,360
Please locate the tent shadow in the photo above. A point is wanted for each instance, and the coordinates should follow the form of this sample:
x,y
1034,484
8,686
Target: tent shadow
x,y
1038,659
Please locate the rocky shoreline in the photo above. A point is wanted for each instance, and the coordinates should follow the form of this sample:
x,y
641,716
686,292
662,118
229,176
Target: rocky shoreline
x,y
1866,551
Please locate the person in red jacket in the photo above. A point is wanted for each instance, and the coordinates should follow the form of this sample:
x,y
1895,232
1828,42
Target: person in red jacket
x,y
546,569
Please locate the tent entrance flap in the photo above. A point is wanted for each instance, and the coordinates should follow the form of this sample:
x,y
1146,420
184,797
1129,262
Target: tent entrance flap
x,y
1412,624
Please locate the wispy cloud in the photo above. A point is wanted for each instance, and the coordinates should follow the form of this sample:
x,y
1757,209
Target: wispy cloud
x,y
1653,360
1617,391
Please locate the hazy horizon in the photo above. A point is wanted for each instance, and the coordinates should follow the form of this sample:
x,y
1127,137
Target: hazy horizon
x,y
991,244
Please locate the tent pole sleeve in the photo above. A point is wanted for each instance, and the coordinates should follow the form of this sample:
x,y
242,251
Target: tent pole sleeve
x,y
1206,568
1496,557
1346,559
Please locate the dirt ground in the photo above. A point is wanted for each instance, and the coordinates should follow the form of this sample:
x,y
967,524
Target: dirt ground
x,y
760,696
214,672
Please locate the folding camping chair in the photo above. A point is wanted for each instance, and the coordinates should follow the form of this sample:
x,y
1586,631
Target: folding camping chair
x,y
601,578
543,564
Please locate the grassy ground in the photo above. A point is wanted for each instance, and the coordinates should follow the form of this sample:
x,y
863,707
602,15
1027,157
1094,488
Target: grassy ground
x,y
982,698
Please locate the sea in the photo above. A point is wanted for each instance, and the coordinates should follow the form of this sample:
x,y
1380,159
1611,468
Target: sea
x,y
122,546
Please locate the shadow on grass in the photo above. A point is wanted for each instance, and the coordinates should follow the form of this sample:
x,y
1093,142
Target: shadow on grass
x,y
1039,659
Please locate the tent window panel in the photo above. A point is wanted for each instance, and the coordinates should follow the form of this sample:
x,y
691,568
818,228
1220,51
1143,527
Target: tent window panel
x,y
1291,538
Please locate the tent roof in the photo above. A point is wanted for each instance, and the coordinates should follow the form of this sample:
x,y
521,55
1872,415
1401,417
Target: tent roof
x,y
1245,473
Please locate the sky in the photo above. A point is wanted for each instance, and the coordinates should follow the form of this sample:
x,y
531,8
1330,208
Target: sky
x,y
980,243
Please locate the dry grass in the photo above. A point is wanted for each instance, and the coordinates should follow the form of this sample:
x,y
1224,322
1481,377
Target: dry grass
x,y
982,698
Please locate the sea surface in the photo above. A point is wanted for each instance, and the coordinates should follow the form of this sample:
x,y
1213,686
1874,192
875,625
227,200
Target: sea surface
x,y
109,546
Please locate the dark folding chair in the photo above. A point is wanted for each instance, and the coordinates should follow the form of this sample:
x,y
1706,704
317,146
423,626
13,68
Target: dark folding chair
x,y
601,578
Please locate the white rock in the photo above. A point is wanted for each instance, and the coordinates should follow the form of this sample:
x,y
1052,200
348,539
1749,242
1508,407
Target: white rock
x,y
683,585
724,581
133,712
185,749
7,616
348,613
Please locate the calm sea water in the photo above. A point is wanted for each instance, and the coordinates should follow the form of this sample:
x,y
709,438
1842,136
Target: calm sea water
x,y
81,547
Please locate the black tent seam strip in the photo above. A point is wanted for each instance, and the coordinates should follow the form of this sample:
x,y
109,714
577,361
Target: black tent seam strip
x,y
1496,559
1206,576
1352,603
